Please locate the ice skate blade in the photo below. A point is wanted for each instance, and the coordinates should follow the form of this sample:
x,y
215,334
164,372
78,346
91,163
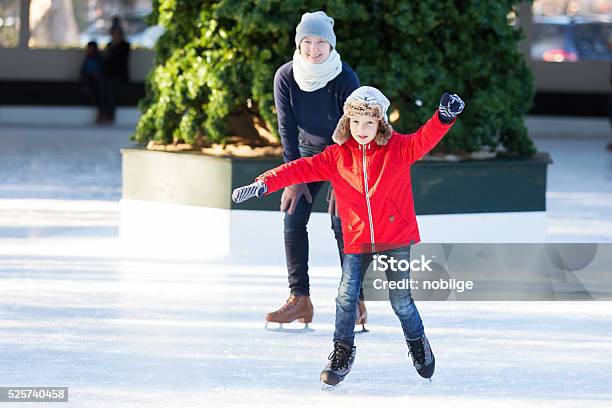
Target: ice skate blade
x,y
279,328
363,330
329,387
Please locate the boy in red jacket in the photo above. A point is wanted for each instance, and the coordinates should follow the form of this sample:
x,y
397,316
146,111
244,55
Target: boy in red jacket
x,y
369,168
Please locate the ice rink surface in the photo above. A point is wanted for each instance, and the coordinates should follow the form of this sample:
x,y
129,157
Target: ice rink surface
x,y
77,311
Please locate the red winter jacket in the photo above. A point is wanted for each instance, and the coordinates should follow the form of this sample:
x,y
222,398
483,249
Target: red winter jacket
x,y
372,185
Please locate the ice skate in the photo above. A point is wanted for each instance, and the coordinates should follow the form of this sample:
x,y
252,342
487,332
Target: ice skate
x,y
362,317
340,364
422,357
295,308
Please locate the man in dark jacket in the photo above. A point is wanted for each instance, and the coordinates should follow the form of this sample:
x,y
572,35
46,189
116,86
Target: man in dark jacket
x,y
309,93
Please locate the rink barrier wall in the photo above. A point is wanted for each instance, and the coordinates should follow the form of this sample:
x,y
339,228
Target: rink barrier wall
x,y
178,205
510,184
178,231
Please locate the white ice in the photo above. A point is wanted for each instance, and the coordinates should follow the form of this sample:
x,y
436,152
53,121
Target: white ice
x,y
118,331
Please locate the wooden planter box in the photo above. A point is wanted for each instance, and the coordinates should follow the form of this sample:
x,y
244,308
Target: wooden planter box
x,y
179,205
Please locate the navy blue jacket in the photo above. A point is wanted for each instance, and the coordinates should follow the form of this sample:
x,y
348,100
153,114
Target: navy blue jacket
x,y
309,118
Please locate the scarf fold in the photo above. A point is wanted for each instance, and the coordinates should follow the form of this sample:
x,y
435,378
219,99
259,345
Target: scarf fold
x,y
311,77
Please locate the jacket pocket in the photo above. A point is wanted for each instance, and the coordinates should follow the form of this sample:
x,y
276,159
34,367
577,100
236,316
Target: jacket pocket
x,y
397,216
351,222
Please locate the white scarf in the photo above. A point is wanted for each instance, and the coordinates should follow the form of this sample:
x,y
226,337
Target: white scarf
x,y
311,77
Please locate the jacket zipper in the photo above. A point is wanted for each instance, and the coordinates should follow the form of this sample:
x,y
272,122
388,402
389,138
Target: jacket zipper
x,y
365,184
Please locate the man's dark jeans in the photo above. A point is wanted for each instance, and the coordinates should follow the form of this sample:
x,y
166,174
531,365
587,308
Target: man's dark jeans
x,y
296,235
296,241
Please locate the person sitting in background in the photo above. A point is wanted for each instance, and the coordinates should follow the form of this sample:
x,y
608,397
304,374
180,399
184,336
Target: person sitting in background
x,y
92,77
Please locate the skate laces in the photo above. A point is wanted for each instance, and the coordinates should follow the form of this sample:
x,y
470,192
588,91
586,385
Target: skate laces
x,y
339,357
417,349
290,303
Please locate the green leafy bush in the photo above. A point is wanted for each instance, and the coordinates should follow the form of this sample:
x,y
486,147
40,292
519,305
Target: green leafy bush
x,y
217,60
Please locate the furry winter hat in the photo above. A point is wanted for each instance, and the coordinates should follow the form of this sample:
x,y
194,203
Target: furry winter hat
x,y
369,101
317,23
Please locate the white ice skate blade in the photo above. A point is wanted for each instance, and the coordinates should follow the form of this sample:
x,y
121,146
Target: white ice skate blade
x,y
294,327
362,331
329,387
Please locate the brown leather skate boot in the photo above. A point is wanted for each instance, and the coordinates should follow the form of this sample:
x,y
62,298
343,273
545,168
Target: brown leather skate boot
x,y
296,308
362,316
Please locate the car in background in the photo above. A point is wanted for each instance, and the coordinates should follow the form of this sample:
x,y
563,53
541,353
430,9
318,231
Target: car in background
x,y
565,38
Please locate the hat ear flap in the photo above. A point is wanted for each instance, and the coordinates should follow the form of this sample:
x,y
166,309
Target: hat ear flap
x,y
384,133
342,133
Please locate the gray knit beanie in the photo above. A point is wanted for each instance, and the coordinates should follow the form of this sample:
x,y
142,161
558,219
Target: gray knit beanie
x,y
317,23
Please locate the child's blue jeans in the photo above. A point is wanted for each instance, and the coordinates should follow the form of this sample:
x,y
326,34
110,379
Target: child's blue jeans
x,y
353,272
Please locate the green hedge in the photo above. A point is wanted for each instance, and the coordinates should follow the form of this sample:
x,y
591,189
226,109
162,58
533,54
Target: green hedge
x,y
218,58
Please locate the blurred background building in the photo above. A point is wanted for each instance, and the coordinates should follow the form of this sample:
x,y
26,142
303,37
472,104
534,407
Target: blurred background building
x,y
42,42
568,45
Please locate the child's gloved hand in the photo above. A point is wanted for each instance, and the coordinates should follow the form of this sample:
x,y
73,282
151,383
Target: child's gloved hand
x,y
256,189
450,106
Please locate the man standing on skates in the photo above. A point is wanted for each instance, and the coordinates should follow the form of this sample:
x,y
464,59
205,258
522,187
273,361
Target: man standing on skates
x,y
309,93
